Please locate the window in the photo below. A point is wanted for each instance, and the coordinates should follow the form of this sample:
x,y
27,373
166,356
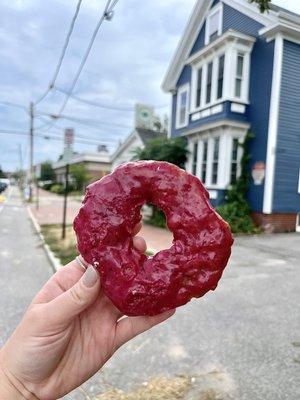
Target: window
x,y
195,158
204,161
209,82
213,24
234,161
239,75
182,107
220,77
199,87
215,161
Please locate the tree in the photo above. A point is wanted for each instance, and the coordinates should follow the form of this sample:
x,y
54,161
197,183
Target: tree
x,y
47,172
163,149
264,5
80,175
2,174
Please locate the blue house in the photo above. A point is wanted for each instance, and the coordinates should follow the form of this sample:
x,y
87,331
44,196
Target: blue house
x,y
236,70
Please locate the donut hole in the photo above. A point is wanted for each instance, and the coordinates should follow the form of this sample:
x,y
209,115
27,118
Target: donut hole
x,y
153,215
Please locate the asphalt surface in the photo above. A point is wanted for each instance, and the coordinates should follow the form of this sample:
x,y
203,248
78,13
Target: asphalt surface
x,y
244,338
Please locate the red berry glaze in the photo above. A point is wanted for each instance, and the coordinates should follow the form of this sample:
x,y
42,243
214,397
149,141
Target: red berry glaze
x,y
135,283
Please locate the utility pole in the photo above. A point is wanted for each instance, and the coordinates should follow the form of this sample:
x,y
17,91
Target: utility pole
x,y
21,166
31,173
65,203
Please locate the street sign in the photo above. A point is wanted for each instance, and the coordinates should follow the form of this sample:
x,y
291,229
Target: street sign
x,y
68,150
258,172
69,137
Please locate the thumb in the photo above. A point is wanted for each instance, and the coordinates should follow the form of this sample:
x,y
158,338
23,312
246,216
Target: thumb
x,y
75,300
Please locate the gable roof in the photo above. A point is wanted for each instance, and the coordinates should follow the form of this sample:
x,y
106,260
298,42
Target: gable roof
x,y
144,134
195,24
148,134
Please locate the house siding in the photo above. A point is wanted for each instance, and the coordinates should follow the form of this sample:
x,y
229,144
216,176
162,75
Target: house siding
x,y
200,41
257,113
286,197
233,19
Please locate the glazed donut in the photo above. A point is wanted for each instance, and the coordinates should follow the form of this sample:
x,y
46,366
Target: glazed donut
x,y
135,283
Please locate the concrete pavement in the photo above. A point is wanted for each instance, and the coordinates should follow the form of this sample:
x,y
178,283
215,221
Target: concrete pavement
x,y
50,211
243,337
23,264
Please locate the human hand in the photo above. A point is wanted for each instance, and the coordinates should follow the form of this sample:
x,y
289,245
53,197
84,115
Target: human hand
x,y
67,334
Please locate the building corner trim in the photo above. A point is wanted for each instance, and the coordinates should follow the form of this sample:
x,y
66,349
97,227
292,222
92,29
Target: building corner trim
x,y
273,125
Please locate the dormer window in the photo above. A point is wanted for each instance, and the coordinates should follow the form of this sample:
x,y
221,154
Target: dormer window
x,y
214,23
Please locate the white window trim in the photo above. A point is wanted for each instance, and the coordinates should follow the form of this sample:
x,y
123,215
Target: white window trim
x,y
226,135
273,126
230,68
182,89
217,8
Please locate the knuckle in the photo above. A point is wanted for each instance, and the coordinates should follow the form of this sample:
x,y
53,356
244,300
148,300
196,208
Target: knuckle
x,y
76,296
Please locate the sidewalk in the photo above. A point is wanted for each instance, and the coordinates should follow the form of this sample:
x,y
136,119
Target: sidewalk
x,y
24,267
51,212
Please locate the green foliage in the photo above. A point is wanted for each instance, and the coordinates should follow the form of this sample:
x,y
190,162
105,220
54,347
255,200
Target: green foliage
x,y
264,5
80,175
47,186
2,174
164,149
236,210
47,172
57,188
157,218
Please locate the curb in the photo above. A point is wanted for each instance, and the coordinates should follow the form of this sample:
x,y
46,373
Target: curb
x,y
54,261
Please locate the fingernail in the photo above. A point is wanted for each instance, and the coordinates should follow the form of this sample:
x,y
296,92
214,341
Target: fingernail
x,y
90,277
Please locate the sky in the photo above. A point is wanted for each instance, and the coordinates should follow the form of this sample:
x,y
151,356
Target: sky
x,y
127,64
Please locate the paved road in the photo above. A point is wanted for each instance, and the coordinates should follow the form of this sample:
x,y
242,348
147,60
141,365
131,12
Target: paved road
x,y
244,338
23,265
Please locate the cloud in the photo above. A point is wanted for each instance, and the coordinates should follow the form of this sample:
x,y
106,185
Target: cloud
x,y
127,64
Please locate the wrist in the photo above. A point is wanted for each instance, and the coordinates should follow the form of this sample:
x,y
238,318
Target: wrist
x,y
11,388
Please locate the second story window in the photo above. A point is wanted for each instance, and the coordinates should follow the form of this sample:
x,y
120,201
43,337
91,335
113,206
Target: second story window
x,y
220,77
199,87
239,75
182,113
209,82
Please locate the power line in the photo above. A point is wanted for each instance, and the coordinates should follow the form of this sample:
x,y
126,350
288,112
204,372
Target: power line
x,y
106,15
10,104
50,136
94,104
105,106
63,53
88,122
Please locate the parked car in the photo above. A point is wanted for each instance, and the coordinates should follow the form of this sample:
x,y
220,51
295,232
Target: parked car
x,y
3,186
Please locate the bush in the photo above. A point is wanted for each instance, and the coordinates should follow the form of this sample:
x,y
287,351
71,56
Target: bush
x,y
237,214
47,186
236,210
157,218
57,188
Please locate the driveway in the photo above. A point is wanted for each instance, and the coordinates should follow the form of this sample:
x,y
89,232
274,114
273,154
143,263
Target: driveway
x,y
243,338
